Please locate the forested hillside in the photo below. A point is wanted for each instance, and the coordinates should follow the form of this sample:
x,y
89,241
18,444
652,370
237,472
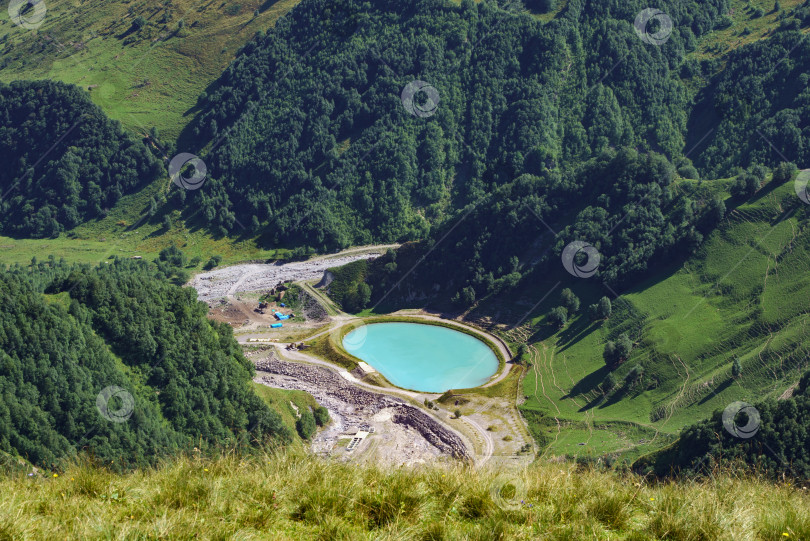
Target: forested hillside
x,y
781,448
64,162
640,215
308,137
758,105
120,325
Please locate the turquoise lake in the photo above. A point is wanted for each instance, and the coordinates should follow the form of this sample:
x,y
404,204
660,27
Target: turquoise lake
x,y
421,357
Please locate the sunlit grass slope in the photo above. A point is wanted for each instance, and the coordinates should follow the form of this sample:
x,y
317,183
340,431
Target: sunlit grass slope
x,y
743,294
143,77
294,496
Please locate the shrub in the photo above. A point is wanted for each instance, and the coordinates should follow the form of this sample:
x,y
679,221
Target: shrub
x,y
213,262
305,425
321,415
558,316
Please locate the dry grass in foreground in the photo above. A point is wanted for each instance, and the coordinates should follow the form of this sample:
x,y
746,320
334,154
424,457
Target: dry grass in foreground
x,y
290,495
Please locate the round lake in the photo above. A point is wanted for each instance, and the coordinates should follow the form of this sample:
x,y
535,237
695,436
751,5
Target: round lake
x,y
422,357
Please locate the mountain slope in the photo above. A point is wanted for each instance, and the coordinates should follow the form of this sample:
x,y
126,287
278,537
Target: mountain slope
x,y
65,161
144,63
306,136
120,364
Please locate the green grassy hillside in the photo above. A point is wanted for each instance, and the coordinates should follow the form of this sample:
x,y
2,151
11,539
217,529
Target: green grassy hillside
x,y
289,496
147,77
744,294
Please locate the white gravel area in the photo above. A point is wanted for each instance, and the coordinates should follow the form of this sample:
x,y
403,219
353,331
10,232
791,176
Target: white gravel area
x,y
228,281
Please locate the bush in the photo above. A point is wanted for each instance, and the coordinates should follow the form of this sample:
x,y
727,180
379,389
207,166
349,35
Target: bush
x,y
736,367
213,262
321,415
634,374
558,316
305,425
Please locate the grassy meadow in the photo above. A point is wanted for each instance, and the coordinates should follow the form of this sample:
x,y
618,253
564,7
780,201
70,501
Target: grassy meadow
x,y
742,295
146,77
290,495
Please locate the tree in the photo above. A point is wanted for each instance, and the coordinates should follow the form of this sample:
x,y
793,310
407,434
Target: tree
x,y
618,351
609,383
139,22
716,211
746,185
623,346
784,172
570,301
468,296
736,368
363,294
558,316
605,309
609,353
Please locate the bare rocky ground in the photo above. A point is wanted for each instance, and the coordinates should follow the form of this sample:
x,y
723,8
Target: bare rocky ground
x,y
228,281
403,434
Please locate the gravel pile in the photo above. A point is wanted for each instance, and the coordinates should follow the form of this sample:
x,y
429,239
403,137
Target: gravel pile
x,y
353,406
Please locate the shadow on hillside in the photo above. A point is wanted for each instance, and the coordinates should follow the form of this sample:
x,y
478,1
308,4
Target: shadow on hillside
x,y
578,330
720,388
588,383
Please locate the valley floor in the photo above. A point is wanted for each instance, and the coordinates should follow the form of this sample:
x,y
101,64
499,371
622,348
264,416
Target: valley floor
x,y
490,429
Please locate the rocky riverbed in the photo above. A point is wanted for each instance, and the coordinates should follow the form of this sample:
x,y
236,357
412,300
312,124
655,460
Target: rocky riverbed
x,y
228,281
